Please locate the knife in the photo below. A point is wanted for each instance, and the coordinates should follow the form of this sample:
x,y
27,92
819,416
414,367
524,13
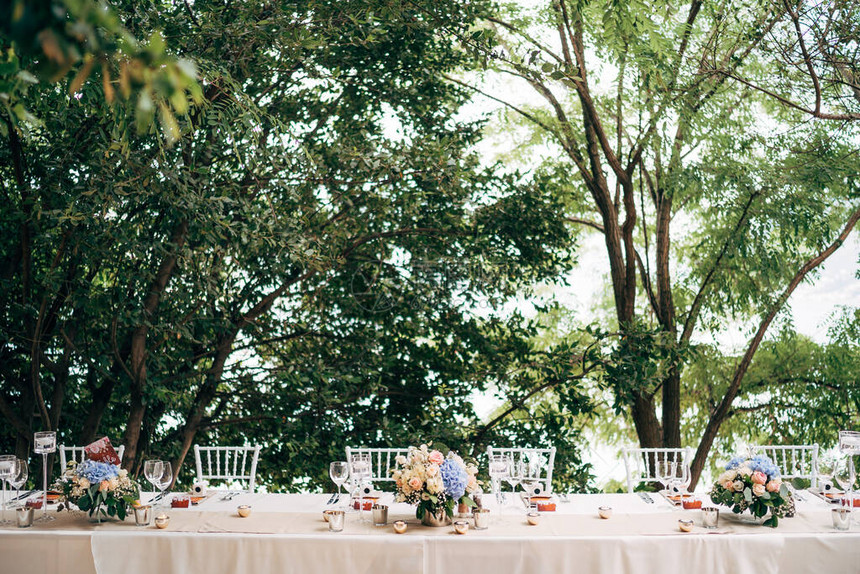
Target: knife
x,y
23,496
332,499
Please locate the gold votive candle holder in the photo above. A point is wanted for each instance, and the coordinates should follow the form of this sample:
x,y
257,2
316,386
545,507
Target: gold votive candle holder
x,y
400,526
685,525
461,526
162,521
604,512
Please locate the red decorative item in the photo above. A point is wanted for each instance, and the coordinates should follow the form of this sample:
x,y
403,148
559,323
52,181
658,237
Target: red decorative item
x,y
367,503
102,451
691,503
544,503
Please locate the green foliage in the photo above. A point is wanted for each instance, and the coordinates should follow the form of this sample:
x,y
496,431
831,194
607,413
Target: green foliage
x,y
328,235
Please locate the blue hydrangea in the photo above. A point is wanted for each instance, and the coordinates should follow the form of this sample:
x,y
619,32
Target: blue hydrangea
x,y
735,462
454,478
95,472
763,463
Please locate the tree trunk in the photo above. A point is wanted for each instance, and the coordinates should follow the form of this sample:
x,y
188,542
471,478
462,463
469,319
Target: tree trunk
x,y
645,421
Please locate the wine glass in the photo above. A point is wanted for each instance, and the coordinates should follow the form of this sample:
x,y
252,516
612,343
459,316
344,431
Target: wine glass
x,y
530,478
498,471
845,476
359,470
152,470
7,469
19,477
664,472
44,443
339,472
165,480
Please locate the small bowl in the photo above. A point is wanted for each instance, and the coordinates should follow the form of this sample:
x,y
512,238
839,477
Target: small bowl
x,y
399,526
244,510
604,512
162,520
533,518
685,525
461,526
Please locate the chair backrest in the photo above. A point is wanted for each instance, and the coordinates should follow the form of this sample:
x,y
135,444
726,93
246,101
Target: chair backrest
x,y
227,463
640,463
77,454
524,454
381,461
793,461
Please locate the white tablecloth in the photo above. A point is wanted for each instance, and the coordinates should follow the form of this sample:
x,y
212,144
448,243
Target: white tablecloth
x,y
286,534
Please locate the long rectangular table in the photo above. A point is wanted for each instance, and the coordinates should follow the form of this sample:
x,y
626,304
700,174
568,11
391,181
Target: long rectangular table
x,y
286,533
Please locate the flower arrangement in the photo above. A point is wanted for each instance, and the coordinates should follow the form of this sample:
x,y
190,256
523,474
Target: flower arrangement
x,y
753,484
434,482
99,488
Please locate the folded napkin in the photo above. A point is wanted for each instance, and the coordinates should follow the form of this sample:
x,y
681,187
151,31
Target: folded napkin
x,y
102,451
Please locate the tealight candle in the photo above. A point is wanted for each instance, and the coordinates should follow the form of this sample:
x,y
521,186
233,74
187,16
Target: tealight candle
x,y
533,518
461,526
162,520
685,525
244,510
482,518
605,512
399,526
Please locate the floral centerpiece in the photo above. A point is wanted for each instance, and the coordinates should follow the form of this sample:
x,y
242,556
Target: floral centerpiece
x,y
99,488
435,483
754,484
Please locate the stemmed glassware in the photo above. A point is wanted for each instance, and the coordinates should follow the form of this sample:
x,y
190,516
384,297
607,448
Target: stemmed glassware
x,y
152,471
7,469
359,470
19,477
844,475
531,473
339,473
165,480
515,476
499,468
44,443
664,472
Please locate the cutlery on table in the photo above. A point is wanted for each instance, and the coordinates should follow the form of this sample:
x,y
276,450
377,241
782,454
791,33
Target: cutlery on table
x,y
22,496
646,497
332,500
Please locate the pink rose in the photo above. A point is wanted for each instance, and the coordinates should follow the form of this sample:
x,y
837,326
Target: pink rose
x,y
103,486
758,477
758,489
414,483
436,457
773,485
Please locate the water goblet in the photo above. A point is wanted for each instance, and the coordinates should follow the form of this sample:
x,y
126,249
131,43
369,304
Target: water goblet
x,y
498,471
7,469
339,472
664,472
45,443
19,477
845,476
165,480
152,471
